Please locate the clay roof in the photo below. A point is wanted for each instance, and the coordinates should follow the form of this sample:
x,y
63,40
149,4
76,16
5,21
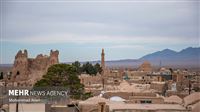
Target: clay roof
x,y
116,106
124,86
173,99
94,100
192,98
196,107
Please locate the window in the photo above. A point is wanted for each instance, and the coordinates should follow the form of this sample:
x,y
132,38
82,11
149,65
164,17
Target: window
x,y
18,73
142,101
148,101
145,101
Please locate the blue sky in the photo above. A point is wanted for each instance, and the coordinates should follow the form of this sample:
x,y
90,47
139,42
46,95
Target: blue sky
x,y
80,29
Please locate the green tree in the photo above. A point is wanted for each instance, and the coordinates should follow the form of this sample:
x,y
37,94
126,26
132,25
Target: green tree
x,y
63,75
1,75
77,64
89,69
87,95
98,68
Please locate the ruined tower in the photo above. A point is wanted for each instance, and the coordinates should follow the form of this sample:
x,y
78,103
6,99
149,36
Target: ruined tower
x,y
29,70
20,66
54,57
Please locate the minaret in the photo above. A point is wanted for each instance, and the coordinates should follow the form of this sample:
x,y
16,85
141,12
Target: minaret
x,y
103,68
103,60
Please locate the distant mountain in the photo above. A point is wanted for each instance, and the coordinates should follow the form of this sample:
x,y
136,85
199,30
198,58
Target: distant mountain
x,y
189,57
160,55
167,54
186,58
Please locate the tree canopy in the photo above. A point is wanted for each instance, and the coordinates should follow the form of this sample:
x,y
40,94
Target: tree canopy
x,y
66,75
1,75
62,75
88,68
77,64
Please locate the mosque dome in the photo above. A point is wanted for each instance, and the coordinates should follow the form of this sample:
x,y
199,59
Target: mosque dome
x,y
146,66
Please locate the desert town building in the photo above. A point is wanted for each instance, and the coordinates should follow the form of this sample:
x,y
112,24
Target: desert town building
x,y
170,104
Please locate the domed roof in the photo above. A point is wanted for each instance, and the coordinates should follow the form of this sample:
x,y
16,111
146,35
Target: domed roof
x,y
146,63
94,100
162,69
146,66
117,98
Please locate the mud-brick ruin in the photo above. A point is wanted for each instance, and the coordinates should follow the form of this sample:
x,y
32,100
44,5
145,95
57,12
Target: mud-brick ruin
x,y
26,71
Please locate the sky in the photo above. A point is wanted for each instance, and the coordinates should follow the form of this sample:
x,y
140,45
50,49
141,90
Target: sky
x,y
80,29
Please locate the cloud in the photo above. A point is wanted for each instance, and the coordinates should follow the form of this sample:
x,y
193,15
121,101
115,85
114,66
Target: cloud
x,y
137,19
96,39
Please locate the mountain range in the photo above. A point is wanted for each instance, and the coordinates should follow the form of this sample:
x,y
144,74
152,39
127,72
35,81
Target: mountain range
x,y
189,57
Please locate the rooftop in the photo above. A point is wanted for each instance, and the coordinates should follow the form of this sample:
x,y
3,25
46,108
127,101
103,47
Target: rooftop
x,y
173,99
115,106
